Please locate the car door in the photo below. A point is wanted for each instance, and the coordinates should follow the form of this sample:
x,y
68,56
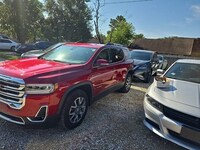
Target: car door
x,y
6,44
1,44
120,70
102,75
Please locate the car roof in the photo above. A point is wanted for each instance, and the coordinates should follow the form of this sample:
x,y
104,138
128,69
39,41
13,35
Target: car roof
x,y
189,61
141,50
90,45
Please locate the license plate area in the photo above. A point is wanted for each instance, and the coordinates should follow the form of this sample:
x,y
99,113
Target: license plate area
x,y
190,134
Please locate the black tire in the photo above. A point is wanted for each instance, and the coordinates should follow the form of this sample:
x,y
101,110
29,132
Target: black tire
x,y
127,84
76,105
12,48
148,76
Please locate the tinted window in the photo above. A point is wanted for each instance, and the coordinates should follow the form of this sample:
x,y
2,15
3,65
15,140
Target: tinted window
x,y
141,55
5,41
185,72
104,55
70,54
116,55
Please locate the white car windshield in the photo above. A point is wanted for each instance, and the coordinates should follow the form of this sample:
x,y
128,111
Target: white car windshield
x,y
185,71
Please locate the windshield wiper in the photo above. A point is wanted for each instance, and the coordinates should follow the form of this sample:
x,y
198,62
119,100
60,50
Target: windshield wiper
x,y
60,61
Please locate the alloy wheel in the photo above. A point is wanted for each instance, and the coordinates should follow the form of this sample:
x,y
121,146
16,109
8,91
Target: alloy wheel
x,y
77,109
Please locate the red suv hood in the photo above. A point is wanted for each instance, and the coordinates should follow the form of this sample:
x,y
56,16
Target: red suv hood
x,y
23,68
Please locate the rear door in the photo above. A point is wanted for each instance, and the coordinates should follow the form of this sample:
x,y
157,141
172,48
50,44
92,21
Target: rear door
x,y
116,61
6,44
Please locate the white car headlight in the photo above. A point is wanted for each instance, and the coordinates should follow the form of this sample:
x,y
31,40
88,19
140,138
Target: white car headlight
x,y
40,88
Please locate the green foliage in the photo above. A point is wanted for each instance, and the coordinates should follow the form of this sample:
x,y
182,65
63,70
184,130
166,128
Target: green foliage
x,y
69,20
139,36
121,31
6,56
55,20
21,19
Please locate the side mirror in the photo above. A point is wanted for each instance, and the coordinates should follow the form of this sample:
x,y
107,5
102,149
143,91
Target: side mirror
x,y
102,62
159,72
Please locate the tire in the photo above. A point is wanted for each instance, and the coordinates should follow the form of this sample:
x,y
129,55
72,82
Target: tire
x,y
74,109
148,76
12,48
127,84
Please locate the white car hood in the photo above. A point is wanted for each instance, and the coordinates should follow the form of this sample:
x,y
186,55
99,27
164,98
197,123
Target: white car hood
x,y
181,92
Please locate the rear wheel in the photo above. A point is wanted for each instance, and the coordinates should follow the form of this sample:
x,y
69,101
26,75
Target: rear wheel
x,y
74,109
127,84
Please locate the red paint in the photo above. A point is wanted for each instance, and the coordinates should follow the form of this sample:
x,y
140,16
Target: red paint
x,y
34,70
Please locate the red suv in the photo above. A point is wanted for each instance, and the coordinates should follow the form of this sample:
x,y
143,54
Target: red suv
x,y
62,83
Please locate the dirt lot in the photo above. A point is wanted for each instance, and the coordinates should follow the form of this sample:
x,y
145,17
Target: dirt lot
x,y
114,122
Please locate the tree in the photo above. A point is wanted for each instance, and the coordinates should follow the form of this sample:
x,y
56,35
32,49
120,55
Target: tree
x,y
68,20
138,36
97,5
20,18
121,31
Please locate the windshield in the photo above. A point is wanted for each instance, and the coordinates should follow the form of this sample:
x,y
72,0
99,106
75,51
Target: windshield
x,y
185,71
70,54
53,46
141,55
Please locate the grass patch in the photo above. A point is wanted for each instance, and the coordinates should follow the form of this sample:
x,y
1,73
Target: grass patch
x,y
8,56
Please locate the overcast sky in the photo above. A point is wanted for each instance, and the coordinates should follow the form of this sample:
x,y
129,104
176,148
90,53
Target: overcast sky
x,y
156,18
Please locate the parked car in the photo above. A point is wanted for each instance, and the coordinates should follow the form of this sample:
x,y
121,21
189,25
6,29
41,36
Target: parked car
x,y
37,53
62,83
2,36
145,64
172,104
7,44
162,62
43,44
25,48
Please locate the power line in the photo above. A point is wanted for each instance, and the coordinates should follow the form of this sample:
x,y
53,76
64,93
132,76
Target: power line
x,y
130,1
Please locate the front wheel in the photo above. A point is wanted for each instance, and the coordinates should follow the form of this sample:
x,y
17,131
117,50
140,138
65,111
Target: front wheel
x,y
147,77
74,109
127,84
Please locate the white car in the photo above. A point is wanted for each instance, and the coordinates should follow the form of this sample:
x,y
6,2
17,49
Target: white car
x,y
8,44
172,104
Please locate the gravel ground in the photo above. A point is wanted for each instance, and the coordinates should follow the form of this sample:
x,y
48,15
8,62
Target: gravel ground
x,y
114,122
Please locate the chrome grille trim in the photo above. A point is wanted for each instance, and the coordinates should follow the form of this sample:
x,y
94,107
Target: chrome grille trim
x,y
13,121
12,91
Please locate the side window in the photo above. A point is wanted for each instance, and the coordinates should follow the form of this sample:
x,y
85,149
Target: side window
x,y
5,41
116,55
104,55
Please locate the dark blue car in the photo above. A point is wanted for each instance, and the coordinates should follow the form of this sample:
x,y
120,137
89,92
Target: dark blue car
x,y
145,64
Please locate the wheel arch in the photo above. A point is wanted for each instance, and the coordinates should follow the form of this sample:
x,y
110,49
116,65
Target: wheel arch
x,y
85,86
